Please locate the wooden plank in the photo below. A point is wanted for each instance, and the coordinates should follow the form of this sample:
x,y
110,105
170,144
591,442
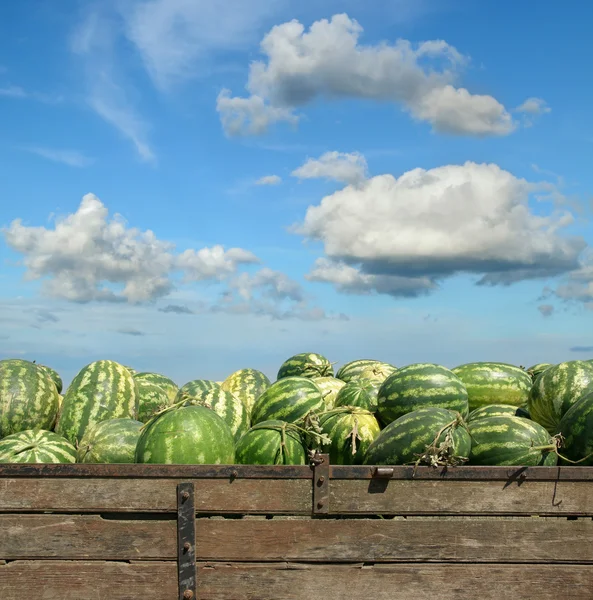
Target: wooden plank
x,y
118,581
426,497
279,496
480,540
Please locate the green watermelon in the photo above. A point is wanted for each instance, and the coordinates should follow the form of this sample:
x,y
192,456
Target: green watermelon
x,y
355,368
329,386
359,392
307,364
271,443
102,390
417,386
112,441
507,440
377,373
576,427
29,398
431,435
556,390
130,369
351,430
494,383
163,382
55,377
289,399
246,384
196,388
152,398
229,407
189,435
536,370
36,446
497,410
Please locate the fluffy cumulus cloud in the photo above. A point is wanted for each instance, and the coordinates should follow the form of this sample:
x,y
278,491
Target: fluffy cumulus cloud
x,y
402,235
329,61
344,167
578,285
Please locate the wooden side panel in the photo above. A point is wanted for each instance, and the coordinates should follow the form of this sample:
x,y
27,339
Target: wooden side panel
x,y
121,581
482,540
279,496
426,497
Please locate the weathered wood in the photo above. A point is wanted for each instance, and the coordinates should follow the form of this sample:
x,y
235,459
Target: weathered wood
x,y
278,496
425,497
118,581
481,540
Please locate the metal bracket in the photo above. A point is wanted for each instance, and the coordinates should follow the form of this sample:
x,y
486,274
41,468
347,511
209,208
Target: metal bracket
x,y
320,464
186,541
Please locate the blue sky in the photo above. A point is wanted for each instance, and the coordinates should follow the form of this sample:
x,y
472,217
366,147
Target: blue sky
x,y
192,188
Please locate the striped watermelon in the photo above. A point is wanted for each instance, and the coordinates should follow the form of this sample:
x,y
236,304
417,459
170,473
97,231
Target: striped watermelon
x,y
430,435
163,382
494,383
556,390
271,443
246,384
102,390
196,388
576,427
497,410
351,430
536,370
329,386
229,407
507,440
112,441
307,364
359,392
377,373
152,398
29,398
55,377
289,399
417,386
353,369
36,446
190,435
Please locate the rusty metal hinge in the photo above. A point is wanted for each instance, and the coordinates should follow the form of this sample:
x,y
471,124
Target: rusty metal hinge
x,y
320,464
186,541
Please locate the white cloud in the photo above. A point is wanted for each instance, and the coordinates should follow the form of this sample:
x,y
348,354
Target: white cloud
x,y
72,158
13,91
578,286
350,168
400,236
88,256
328,61
534,106
269,180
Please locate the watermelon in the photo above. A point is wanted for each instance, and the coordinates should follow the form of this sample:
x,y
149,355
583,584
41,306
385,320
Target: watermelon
x,y
355,368
494,383
417,386
246,384
429,435
351,430
556,390
130,369
102,390
55,377
36,446
188,435
224,404
507,440
359,392
497,410
289,399
271,443
377,373
307,364
576,427
536,370
163,382
329,386
111,441
196,388
152,398
29,398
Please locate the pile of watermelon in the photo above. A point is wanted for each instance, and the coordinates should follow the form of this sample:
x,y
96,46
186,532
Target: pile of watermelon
x,y
365,412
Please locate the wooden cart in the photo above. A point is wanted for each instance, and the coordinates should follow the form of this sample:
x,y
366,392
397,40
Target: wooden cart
x,y
115,532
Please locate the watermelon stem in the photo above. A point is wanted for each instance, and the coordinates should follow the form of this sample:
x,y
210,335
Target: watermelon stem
x,y
558,442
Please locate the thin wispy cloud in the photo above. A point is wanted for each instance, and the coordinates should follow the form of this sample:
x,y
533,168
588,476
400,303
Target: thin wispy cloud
x,y
269,180
71,158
